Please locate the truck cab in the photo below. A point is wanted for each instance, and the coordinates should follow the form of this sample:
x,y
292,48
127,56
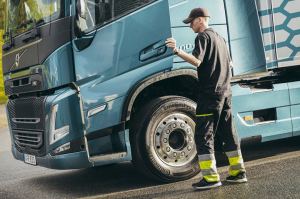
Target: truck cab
x,y
91,82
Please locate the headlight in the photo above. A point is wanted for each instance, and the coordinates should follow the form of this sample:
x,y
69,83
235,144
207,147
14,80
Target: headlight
x,y
56,134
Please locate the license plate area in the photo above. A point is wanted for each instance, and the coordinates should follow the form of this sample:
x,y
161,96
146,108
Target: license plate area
x,y
29,159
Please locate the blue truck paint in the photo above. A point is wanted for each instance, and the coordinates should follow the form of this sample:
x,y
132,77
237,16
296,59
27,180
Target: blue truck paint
x,y
54,67
111,71
245,37
245,103
112,52
294,88
119,86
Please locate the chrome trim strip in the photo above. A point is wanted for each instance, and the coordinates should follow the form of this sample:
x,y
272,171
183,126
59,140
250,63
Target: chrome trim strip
x,y
21,48
26,120
96,110
108,157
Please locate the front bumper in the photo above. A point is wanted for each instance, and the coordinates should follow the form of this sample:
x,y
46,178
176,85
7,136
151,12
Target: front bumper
x,y
105,145
75,160
79,160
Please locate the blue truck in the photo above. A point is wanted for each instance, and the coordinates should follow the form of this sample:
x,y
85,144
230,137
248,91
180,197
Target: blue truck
x,y
91,82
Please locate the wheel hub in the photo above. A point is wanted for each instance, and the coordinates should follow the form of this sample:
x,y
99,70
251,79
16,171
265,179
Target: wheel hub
x,y
177,139
174,140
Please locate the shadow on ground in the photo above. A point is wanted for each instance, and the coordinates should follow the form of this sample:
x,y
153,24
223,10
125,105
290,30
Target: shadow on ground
x,y
92,181
123,177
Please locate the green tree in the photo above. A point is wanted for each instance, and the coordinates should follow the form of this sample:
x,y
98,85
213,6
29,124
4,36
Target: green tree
x,y
2,13
2,18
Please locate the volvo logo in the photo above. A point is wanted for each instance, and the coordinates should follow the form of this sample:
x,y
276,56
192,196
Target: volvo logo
x,y
187,47
17,59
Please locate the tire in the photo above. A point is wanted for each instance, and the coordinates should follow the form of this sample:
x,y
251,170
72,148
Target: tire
x,y
162,139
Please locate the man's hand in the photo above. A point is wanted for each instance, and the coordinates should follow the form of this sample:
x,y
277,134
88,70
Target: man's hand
x,y
171,43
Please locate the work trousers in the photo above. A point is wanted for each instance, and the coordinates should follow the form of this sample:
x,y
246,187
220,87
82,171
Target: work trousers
x,y
215,129
214,125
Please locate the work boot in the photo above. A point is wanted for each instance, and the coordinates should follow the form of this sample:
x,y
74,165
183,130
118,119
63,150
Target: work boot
x,y
240,178
203,184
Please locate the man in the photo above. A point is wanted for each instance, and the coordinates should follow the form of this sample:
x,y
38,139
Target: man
x,y
214,122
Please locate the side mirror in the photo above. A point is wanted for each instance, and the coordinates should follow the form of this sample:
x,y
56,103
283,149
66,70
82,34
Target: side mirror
x,y
81,8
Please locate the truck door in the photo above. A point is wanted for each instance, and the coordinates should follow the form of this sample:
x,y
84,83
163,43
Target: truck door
x,y
245,37
116,36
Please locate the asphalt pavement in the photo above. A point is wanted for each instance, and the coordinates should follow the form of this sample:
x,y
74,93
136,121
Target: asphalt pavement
x,y
275,179
3,121
273,171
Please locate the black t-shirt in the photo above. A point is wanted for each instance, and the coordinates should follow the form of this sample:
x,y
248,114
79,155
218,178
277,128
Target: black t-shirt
x,y
214,72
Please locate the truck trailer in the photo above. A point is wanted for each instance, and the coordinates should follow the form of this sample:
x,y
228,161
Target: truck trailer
x,y
91,82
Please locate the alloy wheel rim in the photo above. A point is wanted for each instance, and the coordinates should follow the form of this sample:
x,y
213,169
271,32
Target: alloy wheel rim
x,y
173,140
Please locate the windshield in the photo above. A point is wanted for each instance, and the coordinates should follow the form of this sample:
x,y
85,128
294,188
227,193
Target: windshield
x,y
22,15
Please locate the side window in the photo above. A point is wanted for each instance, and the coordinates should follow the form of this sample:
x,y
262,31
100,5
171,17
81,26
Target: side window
x,y
100,12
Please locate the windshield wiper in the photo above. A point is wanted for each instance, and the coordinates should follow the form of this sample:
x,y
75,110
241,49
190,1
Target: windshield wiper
x,y
34,32
31,35
30,21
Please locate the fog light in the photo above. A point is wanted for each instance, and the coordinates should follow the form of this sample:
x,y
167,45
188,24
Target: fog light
x,y
62,148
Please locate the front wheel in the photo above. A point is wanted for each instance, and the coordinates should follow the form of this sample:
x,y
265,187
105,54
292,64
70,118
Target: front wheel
x,y
162,139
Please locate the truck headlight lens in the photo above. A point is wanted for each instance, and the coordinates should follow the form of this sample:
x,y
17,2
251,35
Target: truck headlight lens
x,y
56,134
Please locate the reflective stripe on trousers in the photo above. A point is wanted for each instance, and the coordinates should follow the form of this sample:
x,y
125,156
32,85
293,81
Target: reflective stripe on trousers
x,y
205,115
236,162
207,164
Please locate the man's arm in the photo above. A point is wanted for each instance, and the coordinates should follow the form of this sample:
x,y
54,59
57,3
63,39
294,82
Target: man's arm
x,y
187,57
171,43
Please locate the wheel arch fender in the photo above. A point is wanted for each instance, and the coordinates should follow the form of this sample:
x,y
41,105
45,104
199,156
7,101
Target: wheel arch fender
x,y
145,83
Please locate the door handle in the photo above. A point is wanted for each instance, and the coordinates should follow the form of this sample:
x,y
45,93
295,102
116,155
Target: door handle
x,y
154,50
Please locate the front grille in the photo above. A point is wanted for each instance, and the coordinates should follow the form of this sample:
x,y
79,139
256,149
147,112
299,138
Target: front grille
x,y
29,139
27,121
27,113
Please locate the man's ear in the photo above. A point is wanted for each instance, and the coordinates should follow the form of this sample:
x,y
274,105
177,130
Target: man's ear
x,y
201,20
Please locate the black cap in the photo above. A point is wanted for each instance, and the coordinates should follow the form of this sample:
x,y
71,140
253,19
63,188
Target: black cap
x,y
196,12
